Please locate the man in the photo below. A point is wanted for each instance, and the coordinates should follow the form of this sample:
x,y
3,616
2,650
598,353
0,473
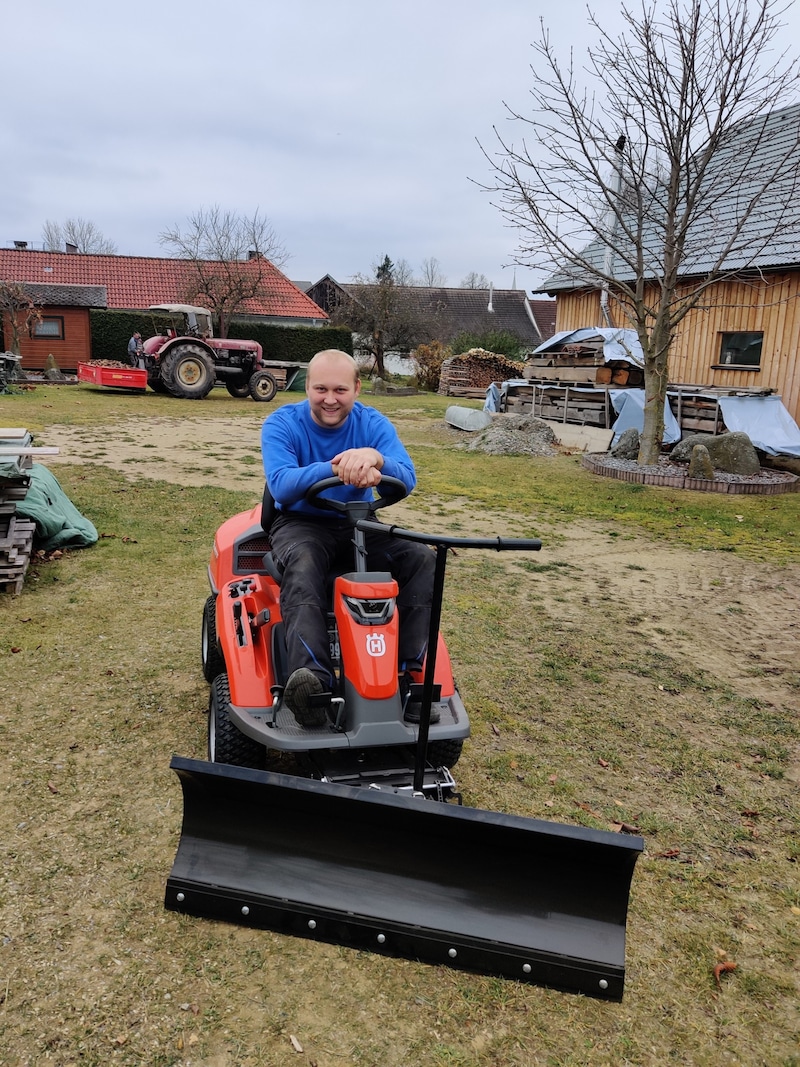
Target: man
x,y
332,434
135,349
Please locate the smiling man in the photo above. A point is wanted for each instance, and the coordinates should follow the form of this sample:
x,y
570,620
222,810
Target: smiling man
x,y
329,434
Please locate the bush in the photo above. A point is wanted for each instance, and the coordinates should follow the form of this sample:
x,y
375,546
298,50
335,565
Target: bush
x,y
428,360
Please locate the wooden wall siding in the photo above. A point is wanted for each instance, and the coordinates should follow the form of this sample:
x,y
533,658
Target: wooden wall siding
x,y
75,347
770,304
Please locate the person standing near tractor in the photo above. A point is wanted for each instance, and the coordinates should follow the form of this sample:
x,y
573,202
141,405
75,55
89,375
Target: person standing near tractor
x,y
332,434
135,349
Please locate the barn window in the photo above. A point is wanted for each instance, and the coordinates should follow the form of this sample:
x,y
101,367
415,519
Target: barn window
x,y
740,349
51,326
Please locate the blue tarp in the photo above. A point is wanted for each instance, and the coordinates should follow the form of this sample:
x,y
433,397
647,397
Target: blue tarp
x,y
766,422
617,344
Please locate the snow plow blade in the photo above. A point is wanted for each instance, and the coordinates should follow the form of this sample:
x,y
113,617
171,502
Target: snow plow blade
x,y
498,894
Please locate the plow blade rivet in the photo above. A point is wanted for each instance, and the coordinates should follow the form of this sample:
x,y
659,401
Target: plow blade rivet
x,y
312,924
180,898
381,939
451,952
245,910
526,968
603,983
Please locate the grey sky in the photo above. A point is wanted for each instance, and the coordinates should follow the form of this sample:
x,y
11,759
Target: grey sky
x,y
352,126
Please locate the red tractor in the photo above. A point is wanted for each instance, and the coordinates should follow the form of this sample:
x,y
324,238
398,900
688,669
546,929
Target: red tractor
x,y
187,360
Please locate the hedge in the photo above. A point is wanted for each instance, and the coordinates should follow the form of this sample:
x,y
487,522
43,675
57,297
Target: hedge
x,y
111,331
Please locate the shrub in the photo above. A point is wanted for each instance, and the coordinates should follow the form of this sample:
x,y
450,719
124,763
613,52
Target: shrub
x,y
428,360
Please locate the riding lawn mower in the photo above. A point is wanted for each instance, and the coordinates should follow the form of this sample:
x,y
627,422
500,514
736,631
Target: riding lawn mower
x,y
355,832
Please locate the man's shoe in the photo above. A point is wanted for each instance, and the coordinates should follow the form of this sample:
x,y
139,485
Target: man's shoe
x,y
411,699
301,689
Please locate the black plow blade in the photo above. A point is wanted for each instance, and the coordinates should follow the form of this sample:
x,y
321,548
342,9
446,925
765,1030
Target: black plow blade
x,y
499,894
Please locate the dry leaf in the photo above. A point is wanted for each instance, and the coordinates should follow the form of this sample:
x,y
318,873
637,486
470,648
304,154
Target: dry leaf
x,y
15,649
794,910
668,854
723,968
52,788
604,763
295,1043
553,779
624,828
495,731
590,811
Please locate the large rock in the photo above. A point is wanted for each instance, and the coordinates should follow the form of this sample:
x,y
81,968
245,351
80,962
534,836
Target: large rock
x,y
700,465
731,452
628,445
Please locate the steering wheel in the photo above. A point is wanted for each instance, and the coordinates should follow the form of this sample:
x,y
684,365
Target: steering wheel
x,y
357,509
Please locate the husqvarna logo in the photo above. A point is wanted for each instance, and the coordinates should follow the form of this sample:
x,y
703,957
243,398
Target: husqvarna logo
x,y
376,645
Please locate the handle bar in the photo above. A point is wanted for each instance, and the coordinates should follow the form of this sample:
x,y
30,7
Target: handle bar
x,y
499,544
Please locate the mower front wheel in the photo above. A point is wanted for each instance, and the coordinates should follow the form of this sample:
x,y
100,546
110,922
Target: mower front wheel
x,y
213,662
226,744
445,753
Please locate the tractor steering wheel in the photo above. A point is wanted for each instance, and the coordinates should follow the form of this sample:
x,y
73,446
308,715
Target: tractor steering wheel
x,y
357,509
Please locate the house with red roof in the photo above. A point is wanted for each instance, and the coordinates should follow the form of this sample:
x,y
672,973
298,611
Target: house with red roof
x,y
66,285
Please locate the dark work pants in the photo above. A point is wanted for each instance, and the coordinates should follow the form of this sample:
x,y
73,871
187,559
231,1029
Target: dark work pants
x,y
308,550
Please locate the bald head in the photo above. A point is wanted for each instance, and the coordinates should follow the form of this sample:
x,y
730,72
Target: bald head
x,y
333,358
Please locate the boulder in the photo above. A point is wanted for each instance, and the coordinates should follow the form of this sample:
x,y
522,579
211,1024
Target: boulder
x,y
730,452
700,465
628,445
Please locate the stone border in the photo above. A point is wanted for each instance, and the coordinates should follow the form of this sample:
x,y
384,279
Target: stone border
x,y
597,465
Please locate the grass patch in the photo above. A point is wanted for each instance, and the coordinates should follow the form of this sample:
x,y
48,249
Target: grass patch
x,y
579,714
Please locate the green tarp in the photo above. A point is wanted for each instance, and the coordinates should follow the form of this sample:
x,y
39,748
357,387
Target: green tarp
x,y
59,524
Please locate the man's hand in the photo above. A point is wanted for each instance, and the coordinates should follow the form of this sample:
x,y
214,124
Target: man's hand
x,y
360,467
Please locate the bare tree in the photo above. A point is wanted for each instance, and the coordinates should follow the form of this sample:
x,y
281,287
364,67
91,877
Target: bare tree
x,y
643,190
19,310
82,233
229,259
432,277
381,314
473,280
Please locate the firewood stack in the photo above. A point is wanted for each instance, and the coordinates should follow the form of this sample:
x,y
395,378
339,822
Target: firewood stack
x,y
16,533
471,373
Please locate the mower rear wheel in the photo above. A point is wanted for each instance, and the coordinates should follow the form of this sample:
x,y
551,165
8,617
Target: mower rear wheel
x,y
445,753
226,744
213,662
238,389
262,386
188,372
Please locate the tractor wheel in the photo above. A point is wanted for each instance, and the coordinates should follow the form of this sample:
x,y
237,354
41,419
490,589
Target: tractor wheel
x,y
238,389
445,753
213,663
188,372
226,744
157,386
262,386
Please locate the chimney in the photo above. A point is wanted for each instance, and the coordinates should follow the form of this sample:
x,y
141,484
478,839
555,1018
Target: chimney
x,y
252,254
20,244
72,248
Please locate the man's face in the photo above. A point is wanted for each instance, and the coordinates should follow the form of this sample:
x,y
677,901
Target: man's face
x,y
331,389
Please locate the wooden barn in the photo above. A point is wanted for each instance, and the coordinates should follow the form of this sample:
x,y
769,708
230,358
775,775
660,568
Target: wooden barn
x,y
746,333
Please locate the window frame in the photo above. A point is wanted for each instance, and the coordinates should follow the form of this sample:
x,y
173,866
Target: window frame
x,y
725,343
58,336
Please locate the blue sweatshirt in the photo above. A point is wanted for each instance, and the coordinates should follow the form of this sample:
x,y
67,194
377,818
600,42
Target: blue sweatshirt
x,y
297,452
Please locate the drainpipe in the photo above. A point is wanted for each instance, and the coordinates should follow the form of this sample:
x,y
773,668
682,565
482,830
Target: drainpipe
x,y
608,261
